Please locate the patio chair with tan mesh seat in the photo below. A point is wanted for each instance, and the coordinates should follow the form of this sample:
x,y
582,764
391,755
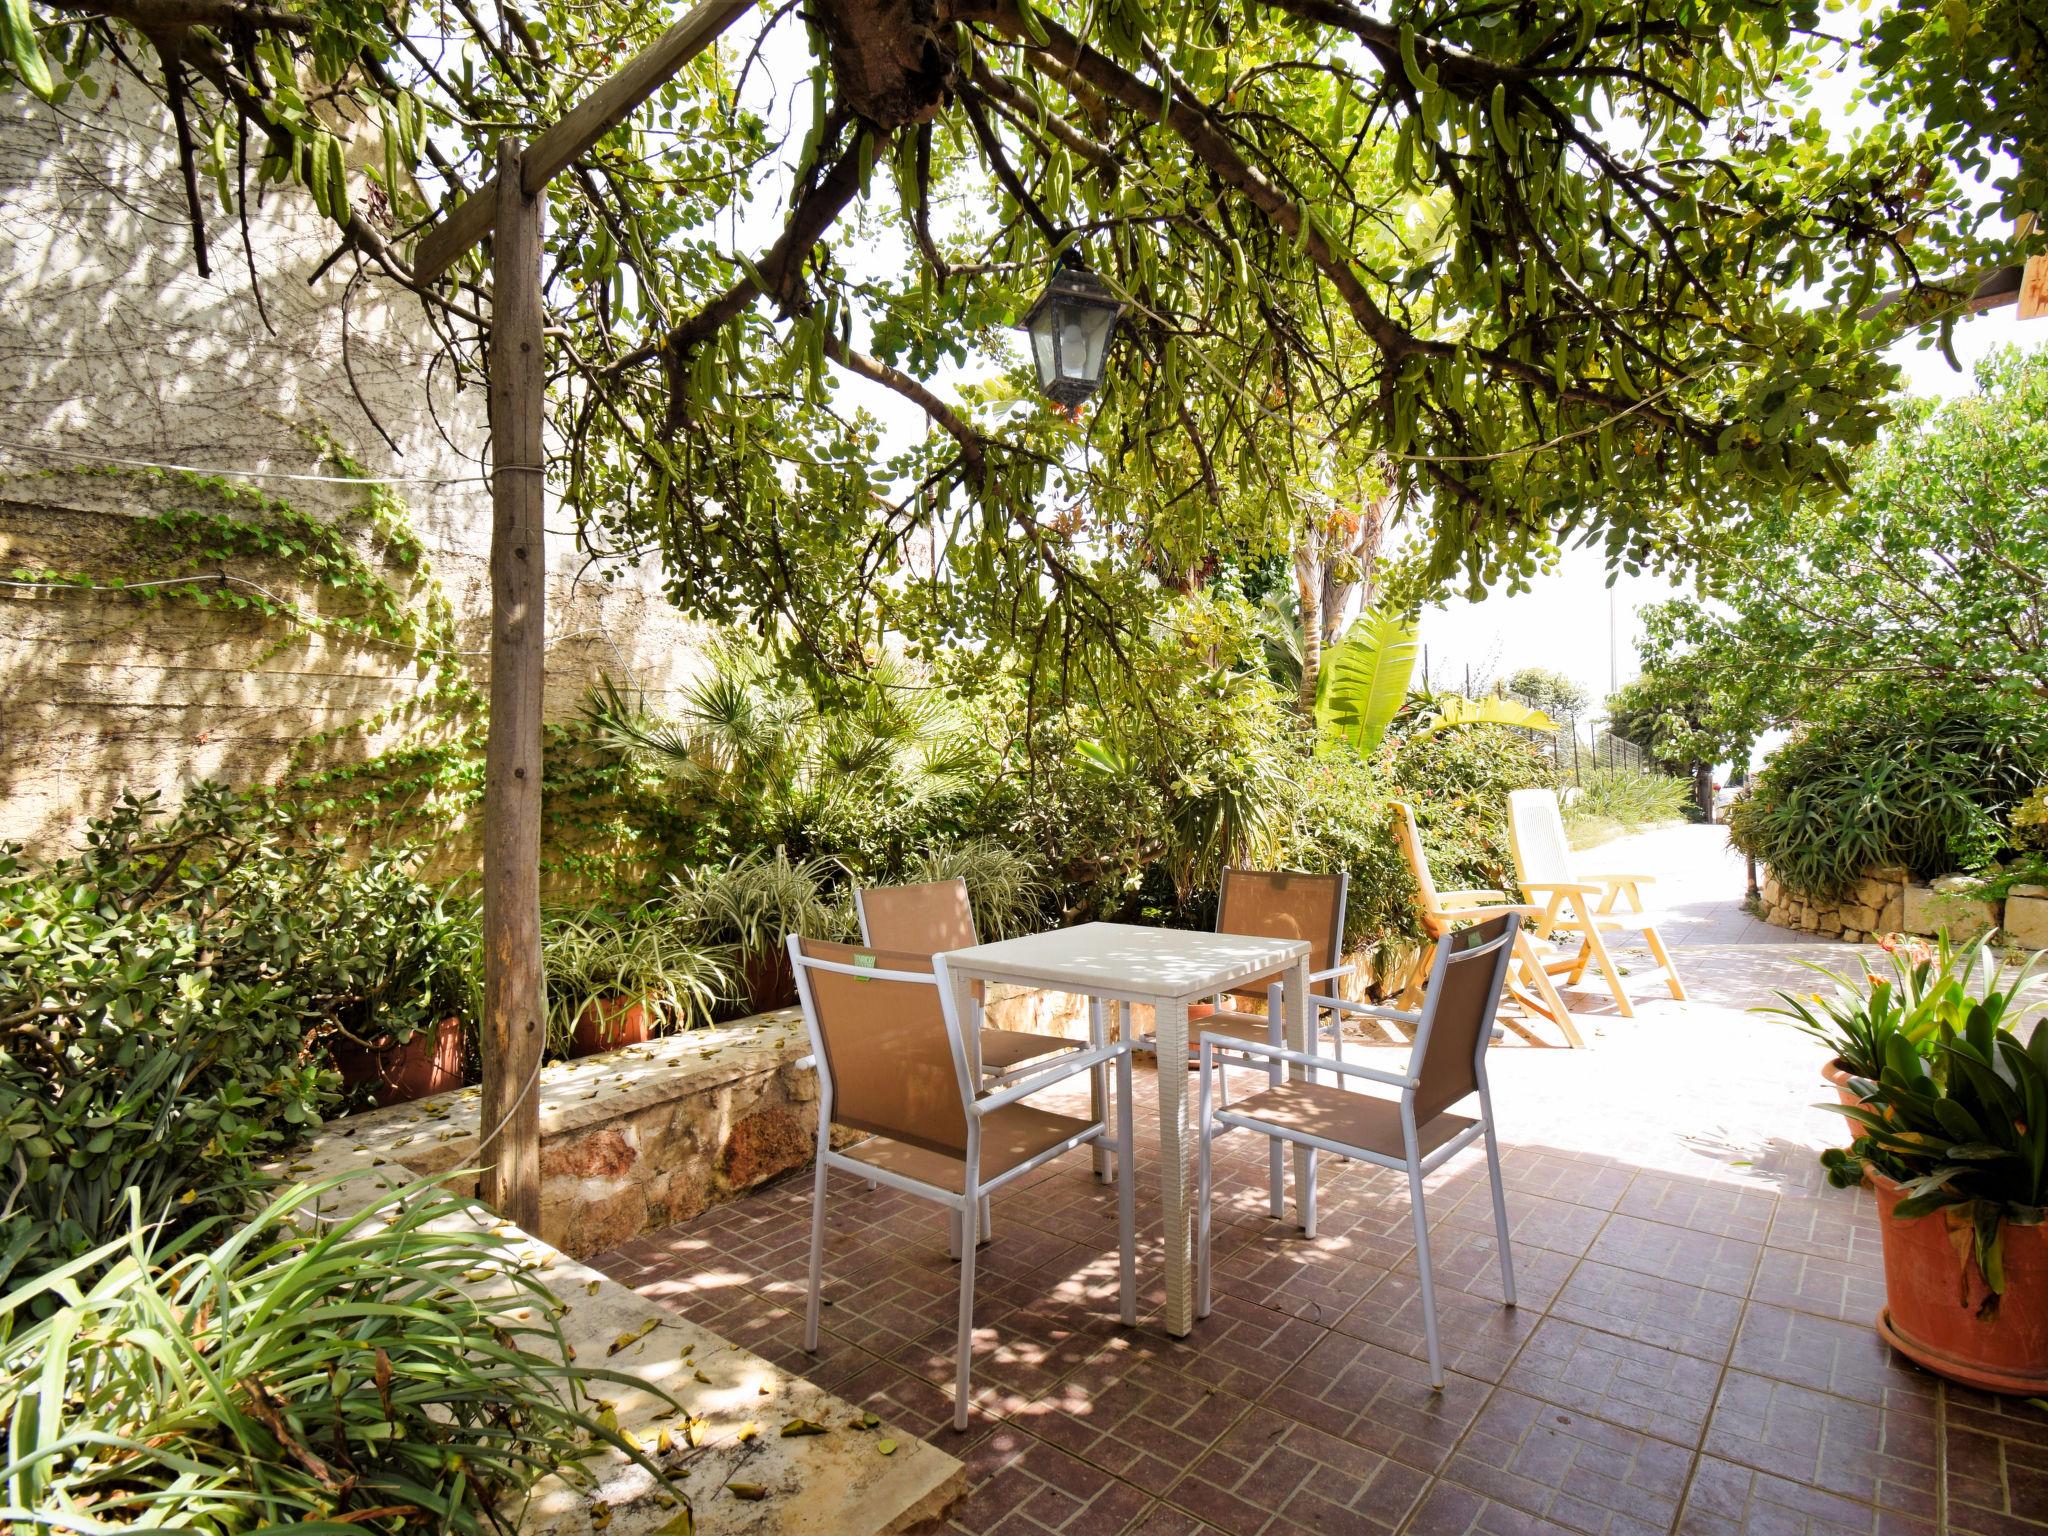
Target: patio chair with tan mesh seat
x,y
1585,906
1274,904
894,1061
1415,1132
931,919
1528,981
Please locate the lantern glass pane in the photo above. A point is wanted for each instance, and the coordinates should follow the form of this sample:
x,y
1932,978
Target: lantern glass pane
x,y
1042,350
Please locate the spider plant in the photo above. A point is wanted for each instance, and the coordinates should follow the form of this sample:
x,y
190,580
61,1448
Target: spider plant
x,y
1005,889
1931,986
398,1371
644,956
751,906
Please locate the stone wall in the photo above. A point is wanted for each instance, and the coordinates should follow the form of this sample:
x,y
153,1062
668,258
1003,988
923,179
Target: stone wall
x,y
1890,901
1874,905
632,1140
113,348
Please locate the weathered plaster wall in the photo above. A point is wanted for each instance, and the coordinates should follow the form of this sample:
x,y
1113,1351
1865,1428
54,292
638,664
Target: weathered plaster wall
x,y
112,346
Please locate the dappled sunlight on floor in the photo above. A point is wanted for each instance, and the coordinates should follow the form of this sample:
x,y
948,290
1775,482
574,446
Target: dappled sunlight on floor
x,y
1693,1348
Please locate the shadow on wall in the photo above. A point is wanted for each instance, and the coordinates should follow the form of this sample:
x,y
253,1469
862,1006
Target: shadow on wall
x,y
113,347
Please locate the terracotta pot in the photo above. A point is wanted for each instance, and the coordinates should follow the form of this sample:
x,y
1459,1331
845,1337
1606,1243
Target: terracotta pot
x,y
1935,1295
610,1023
768,979
1838,1076
430,1062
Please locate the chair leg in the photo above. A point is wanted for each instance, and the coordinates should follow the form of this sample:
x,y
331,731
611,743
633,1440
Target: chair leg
x,y
1126,1197
1205,1132
1662,956
813,1300
1597,945
969,1209
987,1230
1098,1091
1428,1283
1305,1197
1500,1208
1544,990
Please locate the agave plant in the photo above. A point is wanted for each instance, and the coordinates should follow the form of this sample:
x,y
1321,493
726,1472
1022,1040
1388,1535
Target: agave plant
x,y
399,1370
1931,987
1966,1128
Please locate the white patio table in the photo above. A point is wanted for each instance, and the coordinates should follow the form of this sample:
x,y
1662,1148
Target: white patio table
x,y
1169,969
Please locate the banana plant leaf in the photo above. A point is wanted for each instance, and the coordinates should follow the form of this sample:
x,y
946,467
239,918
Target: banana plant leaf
x,y
1454,711
1363,680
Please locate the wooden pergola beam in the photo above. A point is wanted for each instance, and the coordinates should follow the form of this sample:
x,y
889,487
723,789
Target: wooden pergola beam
x,y
470,220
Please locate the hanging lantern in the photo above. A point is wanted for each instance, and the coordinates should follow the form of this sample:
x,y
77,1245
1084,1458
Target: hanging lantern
x,y
1071,327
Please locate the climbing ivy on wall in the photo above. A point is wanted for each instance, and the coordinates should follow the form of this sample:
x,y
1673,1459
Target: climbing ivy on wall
x,y
610,832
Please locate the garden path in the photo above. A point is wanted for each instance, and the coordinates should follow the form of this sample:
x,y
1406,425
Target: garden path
x,y
1693,1352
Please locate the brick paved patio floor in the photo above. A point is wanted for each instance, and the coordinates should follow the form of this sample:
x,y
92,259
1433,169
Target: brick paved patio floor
x,y
1693,1350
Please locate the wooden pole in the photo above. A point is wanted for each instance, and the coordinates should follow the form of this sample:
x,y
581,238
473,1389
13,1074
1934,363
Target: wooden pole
x,y
513,1003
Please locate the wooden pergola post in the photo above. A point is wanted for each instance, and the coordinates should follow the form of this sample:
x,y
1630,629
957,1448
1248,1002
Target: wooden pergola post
x,y
512,211
514,1005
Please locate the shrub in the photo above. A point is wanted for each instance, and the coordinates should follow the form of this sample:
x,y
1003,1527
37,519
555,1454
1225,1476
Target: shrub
x,y
643,955
1930,792
1629,797
1342,820
1004,887
397,1371
165,993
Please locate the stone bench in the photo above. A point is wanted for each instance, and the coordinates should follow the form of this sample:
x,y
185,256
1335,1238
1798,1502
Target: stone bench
x,y
644,1137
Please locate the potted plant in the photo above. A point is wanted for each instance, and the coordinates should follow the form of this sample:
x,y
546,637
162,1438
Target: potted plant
x,y
1955,1144
392,966
1929,987
753,905
615,980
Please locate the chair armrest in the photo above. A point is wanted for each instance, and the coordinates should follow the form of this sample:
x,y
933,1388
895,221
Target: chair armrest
x,y
1333,971
1450,899
1260,1048
1069,1067
1371,1010
1564,887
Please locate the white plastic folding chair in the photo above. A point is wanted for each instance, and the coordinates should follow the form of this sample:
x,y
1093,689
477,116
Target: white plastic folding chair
x,y
1414,1133
894,1061
1586,907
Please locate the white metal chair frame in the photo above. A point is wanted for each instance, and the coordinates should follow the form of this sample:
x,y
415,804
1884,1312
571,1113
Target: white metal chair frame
x,y
967,1205
1318,1003
1216,1121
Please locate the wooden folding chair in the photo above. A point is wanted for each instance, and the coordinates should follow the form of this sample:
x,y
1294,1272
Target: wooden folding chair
x,y
1583,906
1528,981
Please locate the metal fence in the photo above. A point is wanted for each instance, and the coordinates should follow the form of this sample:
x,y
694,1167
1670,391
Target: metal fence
x,y
1575,757
1589,747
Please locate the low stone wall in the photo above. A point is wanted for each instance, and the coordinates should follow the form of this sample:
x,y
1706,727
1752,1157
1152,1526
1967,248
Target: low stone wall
x,y
830,1484
1875,904
1889,901
632,1140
